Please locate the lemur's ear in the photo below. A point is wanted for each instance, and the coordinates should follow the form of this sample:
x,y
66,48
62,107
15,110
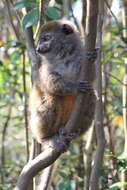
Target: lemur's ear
x,y
67,29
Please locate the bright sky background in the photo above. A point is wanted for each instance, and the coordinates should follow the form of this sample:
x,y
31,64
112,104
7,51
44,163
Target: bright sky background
x,y
78,8
115,7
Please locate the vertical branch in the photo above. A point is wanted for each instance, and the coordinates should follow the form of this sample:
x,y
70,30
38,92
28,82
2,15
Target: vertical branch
x,y
124,172
84,14
66,8
81,166
34,61
11,20
36,148
99,109
25,104
125,86
88,67
107,68
45,178
31,52
41,12
72,14
4,132
41,18
88,156
12,91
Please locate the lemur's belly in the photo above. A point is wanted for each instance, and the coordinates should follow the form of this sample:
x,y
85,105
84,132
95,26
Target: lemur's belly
x,y
48,113
67,105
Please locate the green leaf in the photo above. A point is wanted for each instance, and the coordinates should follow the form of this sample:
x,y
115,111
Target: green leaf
x,y
116,30
62,1
74,1
59,1
124,40
68,185
52,13
1,63
63,175
16,57
25,3
19,5
30,18
117,185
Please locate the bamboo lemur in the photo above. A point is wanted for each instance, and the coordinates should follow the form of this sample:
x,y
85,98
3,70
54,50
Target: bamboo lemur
x,y
54,92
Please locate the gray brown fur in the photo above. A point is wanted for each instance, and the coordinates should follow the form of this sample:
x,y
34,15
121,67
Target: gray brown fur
x,y
54,92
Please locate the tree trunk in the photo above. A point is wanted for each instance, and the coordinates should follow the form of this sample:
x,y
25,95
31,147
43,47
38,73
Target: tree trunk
x,y
94,180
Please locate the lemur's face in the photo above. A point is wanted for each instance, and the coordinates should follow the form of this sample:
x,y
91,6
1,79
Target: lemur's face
x,y
53,34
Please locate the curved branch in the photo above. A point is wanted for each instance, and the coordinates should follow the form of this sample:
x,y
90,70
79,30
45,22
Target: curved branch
x,y
43,160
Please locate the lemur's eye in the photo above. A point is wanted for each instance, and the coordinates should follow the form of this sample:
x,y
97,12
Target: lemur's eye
x,y
46,37
67,29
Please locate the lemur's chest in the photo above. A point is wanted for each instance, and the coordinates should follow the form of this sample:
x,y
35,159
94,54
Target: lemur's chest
x,y
67,70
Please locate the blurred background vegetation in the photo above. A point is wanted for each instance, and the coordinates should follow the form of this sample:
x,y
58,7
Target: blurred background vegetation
x,y
15,82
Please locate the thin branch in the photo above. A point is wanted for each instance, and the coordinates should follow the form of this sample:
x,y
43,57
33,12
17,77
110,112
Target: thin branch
x,y
34,60
41,18
88,151
38,150
124,100
84,14
11,20
107,4
117,22
72,14
12,95
2,106
25,104
45,178
4,132
32,150
17,13
106,72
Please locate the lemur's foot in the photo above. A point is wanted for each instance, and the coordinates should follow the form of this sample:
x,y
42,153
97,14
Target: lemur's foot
x,y
68,137
54,142
84,86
